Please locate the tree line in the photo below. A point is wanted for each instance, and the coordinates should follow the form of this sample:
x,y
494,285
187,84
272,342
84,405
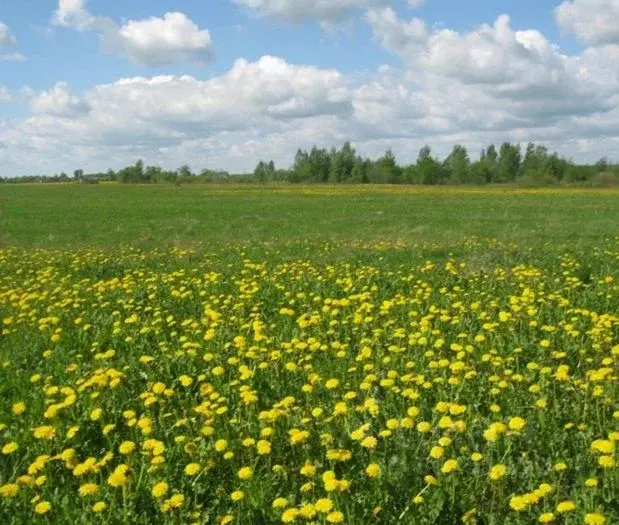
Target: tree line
x,y
533,166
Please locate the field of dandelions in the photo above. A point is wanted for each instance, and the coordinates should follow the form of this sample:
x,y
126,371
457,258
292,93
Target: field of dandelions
x,y
351,383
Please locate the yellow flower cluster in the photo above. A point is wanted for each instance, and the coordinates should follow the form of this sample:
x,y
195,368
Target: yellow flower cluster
x,y
244,386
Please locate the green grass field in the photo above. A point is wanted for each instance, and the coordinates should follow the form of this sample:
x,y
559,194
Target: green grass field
x,y
109,215
318,355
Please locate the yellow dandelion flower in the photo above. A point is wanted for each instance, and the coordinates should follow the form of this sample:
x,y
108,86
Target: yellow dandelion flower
x,y
159,489
606,461
18,408
245,473
369,442
99,506
323,505
192,469
176,501
335,517
9,448
566,506
9,490
42,507
126,447
87,489
594,518
373,470
44,432
497,472
437,452
307,511
449,466
279,503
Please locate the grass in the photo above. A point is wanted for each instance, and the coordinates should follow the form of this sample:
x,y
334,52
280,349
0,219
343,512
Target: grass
x,y
214,355
109,215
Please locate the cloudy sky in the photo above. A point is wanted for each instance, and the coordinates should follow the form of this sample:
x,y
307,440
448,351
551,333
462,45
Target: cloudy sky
x,y
224,83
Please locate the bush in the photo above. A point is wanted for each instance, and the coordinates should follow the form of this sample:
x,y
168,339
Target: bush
x,y
605,180
536,179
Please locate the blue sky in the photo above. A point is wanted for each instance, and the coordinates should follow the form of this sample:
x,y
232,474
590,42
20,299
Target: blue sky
x,y
390,58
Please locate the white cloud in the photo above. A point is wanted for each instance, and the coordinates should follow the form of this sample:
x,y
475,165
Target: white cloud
x,y
164,118
59,102
398,36
166,40
513,75
151,42
297,11
593,21
7,41
6,37
73,13
13,56
489,84
5,94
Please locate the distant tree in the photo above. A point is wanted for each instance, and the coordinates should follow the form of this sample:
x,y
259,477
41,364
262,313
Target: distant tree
x,y
509,162
138,171
319,165
360,171
260,172
480,172
265,171
342,163
458,165
491,164
410,174
602,165
301,170
153,174
428,169
554,166
535,158
386,169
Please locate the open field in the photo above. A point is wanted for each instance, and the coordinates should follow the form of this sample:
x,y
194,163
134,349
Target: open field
x,y
108,215
308,355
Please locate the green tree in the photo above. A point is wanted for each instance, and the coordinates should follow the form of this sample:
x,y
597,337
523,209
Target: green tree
x,y
387,169
458,165
509,162
360,171
428,169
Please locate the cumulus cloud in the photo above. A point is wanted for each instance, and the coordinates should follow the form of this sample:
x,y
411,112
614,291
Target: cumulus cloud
x,y
151,42
73,13
476,87
6,37
8,41
5,94
297,11
513,75
166,40
593,21
59,102
164,117
402,37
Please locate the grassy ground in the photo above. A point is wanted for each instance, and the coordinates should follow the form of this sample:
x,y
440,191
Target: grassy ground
x,y
320,355
109,215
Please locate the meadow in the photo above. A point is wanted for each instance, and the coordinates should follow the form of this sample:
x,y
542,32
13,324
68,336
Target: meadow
x,y
248,355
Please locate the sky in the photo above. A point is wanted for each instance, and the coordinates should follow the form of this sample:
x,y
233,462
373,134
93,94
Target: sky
x,y
222,84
